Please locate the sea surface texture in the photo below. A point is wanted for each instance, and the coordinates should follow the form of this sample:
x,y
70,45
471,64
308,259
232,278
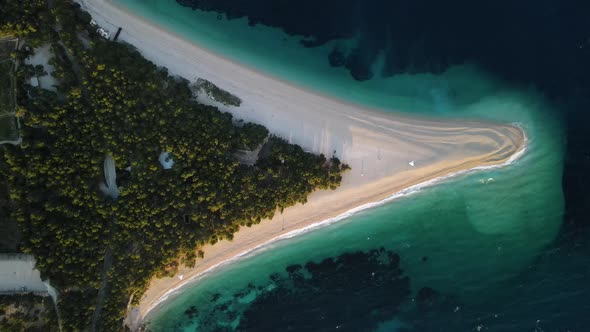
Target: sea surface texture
x,y
494,250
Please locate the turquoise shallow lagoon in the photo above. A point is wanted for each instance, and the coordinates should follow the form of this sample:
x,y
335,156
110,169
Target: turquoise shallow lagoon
x,y
469,238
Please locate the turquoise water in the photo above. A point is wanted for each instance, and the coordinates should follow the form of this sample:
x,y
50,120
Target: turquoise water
x,y
462,237
277,54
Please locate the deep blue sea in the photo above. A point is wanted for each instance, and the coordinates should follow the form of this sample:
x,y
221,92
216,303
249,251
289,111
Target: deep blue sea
x,y
510,254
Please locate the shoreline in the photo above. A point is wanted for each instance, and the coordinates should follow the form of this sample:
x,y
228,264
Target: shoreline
x,y
139,315
379,111
324,223
391,154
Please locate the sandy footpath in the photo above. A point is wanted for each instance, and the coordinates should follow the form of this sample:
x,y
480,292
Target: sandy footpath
x,y
388,153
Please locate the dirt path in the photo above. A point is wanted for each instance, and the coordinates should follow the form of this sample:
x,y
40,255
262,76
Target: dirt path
x,y
108,260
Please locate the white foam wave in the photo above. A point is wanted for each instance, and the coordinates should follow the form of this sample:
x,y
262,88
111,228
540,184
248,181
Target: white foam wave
x,y
404,192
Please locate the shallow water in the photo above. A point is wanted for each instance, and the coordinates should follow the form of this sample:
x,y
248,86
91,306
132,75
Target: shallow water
x,y
484,242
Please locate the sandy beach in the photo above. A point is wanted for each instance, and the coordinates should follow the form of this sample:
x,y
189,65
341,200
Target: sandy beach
x,y
388,153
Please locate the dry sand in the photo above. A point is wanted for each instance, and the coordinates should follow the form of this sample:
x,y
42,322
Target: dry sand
x,y
41,57
378,146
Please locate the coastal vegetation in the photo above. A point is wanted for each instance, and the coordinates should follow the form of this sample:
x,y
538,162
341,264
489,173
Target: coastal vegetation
x,y
100,252
8,127
216,93
27,312
9,230
26,18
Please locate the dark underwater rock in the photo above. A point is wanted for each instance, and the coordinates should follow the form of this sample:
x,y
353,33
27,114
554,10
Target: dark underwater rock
x,y
337,58
354,291
426,296
359,69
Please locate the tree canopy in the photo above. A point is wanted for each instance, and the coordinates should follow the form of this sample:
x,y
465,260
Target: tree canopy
x,y
99,252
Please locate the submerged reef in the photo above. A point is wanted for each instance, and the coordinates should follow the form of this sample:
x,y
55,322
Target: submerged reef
x,y
516,39
355,291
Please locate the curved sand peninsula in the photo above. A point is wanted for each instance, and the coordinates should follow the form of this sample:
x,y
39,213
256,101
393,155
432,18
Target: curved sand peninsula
x,y
388,153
